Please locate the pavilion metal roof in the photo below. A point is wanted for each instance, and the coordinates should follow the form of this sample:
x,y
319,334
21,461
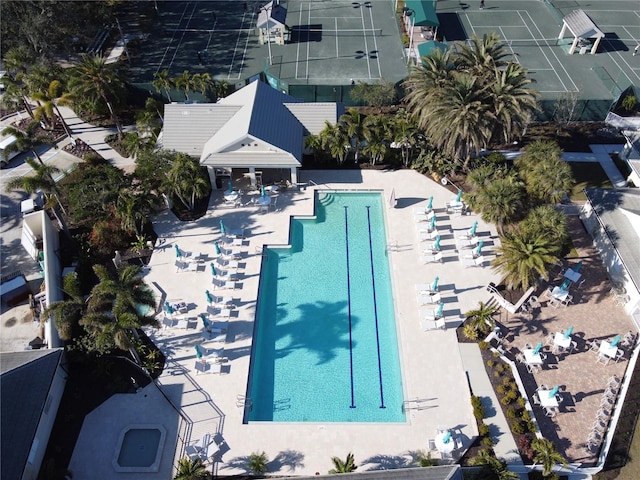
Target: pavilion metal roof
x,y
425,13
581,25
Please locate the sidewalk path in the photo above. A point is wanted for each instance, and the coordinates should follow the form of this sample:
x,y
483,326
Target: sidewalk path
x,y
504,445
94,137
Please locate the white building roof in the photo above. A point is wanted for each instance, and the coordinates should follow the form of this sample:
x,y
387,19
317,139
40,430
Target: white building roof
x,y
581,25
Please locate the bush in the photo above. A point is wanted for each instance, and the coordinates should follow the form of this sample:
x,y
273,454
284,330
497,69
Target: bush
x,y
517,427
483,345
512,412
487,442
526,416
470,332
521,402
483,429
478,408
524,446
501,389
629,103
490,363
531,426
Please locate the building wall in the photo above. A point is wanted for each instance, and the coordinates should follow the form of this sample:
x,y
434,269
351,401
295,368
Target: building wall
x,y
612,262
47,418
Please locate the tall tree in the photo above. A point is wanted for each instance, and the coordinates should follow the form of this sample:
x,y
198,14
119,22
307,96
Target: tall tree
x,y
67,313
354,125
482,317
335,140
376,132
186,83
523,258
49,101
96,79
496,467
113,317
29,139
186,181
545,453
162,81
41,179
481,55
132,208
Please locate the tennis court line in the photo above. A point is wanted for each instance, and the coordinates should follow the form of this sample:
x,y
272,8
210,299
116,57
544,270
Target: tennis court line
x,y
298,46
235,49
366,47
182,37
546,58
166,50
375,42
244,52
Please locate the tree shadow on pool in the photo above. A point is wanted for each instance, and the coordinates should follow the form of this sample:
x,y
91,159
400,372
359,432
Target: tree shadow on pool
x,y
322,328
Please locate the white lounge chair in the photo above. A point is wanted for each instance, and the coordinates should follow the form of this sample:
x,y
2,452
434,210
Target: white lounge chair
x,y
223,284
428,258
469,261
429,299
424,234
204,367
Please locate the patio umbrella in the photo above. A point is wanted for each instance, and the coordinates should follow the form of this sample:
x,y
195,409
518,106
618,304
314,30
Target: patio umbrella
x,y
472,230
440,309
434,285
436,244
565,284
223,230
615,341
178,251
459,196
447,437
430,204
263,192
478,249
538,348
229,186
213,269
218,251
568,333
210,298
168,307
198,351
577,266
432,225
553,391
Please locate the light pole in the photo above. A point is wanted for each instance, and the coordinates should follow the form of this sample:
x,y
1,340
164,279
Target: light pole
x,y
412,23
267,12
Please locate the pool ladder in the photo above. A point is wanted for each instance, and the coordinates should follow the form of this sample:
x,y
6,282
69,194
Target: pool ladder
x,y
244,402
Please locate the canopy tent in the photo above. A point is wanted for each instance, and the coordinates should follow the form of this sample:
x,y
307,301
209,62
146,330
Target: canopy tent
x,y
424,12
271,23
581,27
427,47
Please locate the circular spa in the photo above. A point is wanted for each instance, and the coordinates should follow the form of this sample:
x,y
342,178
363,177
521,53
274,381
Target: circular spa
x,y
139,449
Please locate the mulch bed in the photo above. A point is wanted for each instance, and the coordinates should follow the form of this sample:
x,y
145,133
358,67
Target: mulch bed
x,y
80,149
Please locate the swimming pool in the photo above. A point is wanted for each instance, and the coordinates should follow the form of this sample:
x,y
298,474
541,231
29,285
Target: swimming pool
x,y
139,449
325,347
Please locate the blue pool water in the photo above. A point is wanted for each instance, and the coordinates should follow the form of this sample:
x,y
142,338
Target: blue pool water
x,y
325,347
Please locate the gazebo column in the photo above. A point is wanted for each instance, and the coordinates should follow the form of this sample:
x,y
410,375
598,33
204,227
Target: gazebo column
x,y
595,45
212,177
294,175
573,45
252,177
564,29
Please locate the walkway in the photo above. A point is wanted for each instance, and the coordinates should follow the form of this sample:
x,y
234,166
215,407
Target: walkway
x,y
600,154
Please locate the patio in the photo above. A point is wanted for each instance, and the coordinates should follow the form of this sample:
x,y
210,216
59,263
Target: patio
x,y
593,314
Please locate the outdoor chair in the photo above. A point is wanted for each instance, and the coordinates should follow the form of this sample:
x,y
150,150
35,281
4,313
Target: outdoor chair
x,y
619,355
594,346
550,411
432,445
603,359
614,382
536,399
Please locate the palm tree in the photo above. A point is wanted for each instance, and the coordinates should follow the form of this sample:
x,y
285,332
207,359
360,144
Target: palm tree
x,y
522,258
495,465
191,469
354,125
257,463
186,83
314,143
203,82
376,132
113,317
513,104
334,138
67,314
133,208
460,122
482,318
50,99
545,453
163,82
42,179
548,221
186,181
499,201
346,466
405,134
17,90
27,140
96,79
481,55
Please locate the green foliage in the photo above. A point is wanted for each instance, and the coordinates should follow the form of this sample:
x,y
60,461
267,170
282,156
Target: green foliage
x,y
493,466
478,408
482,318
545,453
189,469
426,460
525,416
517,427
487,442
470,332
521,402
490,363
483,345
433,161
378,95
257,463
346,466
629,102
512,413
531,426
484,429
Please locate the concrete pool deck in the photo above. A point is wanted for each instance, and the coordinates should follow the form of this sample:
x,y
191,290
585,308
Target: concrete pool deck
x,y
434,376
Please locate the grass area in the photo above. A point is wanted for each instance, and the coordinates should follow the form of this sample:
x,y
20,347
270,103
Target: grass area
x,y
631,471
587,175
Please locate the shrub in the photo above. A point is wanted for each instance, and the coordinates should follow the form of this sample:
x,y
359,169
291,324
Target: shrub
x,y
500,367
512,413
490,363
531,426
483,345
524,446
629,103
508,382
521,402
526,416
501,390
487,442
496,354
483,429
470,332
497,373
478,408
517,427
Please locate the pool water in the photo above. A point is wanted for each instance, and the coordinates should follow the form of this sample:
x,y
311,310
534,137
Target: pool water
x,y
139,447
325,347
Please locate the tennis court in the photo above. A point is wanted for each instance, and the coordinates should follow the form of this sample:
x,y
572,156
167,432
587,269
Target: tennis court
x,y
531,29
329,42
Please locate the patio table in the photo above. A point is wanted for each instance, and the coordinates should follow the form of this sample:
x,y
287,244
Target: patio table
x,y
442,446
532,358
546,400
559,293
607,349
572,275
562,341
